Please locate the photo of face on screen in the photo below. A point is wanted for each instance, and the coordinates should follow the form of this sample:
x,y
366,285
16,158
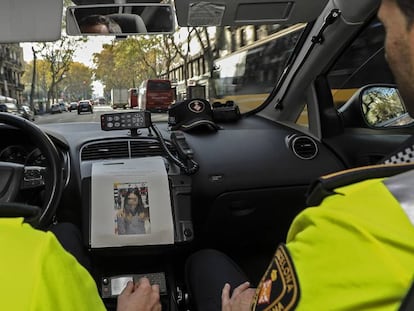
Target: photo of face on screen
x,y
131,208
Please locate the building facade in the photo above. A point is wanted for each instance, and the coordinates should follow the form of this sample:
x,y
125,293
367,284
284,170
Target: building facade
x,y
11,70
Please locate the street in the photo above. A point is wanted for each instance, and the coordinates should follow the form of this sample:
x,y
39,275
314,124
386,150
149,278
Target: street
x,y
73,116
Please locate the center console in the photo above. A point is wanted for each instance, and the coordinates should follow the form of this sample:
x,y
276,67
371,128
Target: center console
x,y
162,264
116,264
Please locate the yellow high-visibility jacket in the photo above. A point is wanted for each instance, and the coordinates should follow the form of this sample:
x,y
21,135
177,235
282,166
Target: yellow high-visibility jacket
x,y
355,251
36,273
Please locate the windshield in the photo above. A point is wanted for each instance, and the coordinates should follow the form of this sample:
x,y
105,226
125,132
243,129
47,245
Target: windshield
x,y
247,75
159,85
220,64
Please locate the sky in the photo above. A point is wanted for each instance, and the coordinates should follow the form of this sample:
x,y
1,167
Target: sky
x,y
82,55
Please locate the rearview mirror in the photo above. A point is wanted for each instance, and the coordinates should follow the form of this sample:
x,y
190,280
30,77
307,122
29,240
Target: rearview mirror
x,y
120,19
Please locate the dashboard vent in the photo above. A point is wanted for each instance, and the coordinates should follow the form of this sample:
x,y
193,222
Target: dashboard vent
x,y
146,148
105,150
123,149
304,147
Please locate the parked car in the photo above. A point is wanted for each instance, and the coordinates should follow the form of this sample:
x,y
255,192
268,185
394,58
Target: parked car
x,y
55,108
85,106
27,113
73,106
63,106
9,107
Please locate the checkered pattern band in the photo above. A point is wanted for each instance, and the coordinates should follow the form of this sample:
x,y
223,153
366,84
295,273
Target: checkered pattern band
x,y
404,156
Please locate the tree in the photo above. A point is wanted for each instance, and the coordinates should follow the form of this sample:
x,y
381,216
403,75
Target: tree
x,y
183,54
129,62
33,84
169,51
211,52
78,82
209,40
59,56
42,77
124,64
151,54
105,67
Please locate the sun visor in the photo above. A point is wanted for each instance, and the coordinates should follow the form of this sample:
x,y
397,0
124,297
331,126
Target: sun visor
x,y
28,21
245,12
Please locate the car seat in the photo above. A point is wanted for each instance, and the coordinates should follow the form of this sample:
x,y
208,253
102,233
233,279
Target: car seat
x,y
130,23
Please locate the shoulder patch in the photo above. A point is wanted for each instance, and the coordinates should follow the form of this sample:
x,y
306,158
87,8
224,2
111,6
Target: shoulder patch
x,y
279,288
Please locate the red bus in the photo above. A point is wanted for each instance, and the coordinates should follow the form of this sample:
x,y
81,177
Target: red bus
x,y
155,95
133,97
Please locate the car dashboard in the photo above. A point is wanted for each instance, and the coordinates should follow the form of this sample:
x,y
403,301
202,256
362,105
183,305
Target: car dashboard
x,y
231,202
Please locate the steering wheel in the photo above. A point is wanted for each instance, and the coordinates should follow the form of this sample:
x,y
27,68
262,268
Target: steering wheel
x,y
15,177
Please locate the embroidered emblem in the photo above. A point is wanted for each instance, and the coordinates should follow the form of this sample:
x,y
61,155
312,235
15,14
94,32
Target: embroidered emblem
x,y
264,295
196,106
279,287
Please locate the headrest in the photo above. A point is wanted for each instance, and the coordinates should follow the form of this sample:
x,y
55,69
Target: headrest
x,y
190,114
129,23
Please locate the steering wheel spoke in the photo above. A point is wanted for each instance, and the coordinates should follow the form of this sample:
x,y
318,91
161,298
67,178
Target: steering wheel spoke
x,y
33,177
10,177
16,177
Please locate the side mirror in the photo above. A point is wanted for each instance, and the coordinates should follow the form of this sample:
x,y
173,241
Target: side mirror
x,y
120,19
378,106
383,107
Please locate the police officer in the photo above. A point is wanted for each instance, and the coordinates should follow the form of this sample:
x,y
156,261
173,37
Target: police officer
x,y
354,250
37,273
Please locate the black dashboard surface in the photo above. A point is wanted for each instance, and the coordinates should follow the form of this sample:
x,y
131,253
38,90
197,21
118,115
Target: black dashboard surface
x,y
249,172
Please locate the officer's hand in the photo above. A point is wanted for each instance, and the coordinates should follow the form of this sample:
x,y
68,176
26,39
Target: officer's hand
x,y
240,300
140,297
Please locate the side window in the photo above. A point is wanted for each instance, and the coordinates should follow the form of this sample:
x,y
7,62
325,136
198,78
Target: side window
x,y
362,63
363,70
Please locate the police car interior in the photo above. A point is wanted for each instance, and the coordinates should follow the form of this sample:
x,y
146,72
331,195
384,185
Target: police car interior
x,y
212,173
